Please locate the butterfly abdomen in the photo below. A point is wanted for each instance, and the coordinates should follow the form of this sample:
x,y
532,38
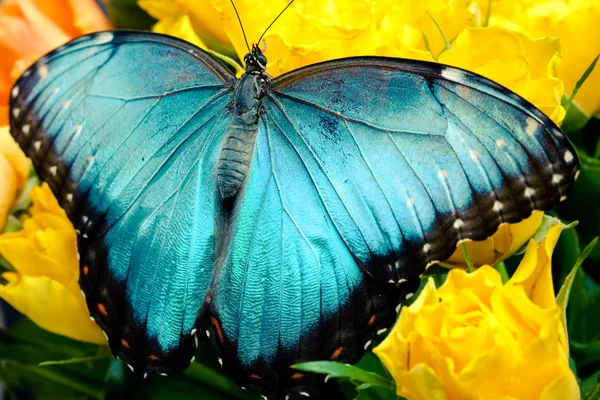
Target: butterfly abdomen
x,y
236,154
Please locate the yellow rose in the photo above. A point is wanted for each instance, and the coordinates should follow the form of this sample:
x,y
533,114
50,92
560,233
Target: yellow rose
x,y
194,21
475,338
575,22
505,242
45,285
14,170
525,66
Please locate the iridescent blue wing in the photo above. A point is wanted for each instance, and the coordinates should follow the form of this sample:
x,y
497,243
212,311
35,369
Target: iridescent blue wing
x,y
365,171
125,128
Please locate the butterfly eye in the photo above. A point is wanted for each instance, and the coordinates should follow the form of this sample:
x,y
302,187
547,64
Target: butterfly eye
x,y
262,59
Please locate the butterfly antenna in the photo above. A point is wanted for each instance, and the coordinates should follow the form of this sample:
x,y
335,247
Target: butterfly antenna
x,y
242,26
276,18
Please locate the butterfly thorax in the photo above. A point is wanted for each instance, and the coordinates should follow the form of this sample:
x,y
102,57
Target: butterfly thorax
x,y
236,154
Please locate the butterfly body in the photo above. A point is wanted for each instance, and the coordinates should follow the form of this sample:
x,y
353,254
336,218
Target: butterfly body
x,y
236,155
283,219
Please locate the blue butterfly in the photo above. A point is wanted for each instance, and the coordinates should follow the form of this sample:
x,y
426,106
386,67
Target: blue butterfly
x,y
282,218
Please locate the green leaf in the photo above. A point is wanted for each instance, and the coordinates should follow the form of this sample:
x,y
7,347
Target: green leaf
x,y
467,258
547,223
581,81
103,352
574,120
583,321
216,380
26,345
588,384
565,290
594,394
345,371
585,353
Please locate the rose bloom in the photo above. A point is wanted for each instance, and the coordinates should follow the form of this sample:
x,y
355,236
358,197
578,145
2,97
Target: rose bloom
x,y
477,338
14,170
44,285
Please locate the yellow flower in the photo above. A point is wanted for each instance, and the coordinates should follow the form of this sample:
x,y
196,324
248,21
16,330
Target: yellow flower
x,y
475,338
194,21
575,22
14,169
525,66
505,242
312,31
45,285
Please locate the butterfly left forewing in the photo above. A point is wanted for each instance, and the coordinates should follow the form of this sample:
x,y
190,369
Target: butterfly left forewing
x,y
126,128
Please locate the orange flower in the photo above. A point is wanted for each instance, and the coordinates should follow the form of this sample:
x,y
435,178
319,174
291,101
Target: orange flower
x,y
31,28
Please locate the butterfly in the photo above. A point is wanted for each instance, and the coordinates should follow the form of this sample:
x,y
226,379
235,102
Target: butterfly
x,y
283,218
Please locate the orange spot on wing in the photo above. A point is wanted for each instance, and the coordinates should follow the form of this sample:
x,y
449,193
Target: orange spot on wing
x,y
86,269
102,309
297,375
214,321
153,357
372,320
254,376
337,353
125,343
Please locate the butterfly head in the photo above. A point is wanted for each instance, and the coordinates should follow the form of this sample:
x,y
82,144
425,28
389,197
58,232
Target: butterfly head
x,y
255,61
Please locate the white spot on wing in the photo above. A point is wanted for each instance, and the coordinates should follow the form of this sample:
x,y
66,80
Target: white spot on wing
x,y
66,104
442,174
367,344
556,178
15,92
16,112
398,308
531,126
409,295
410,202
25,129
474,154
426,247
529,192
577,174
52,170
497,206
104,37
70,197
458,223
568,156
379,332
304,394
82,293
500,143
453,74
207,334
563,198
43,71
37,145
130,367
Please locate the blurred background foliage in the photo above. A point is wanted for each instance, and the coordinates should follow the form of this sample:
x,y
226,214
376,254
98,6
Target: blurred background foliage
x,y
42,365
